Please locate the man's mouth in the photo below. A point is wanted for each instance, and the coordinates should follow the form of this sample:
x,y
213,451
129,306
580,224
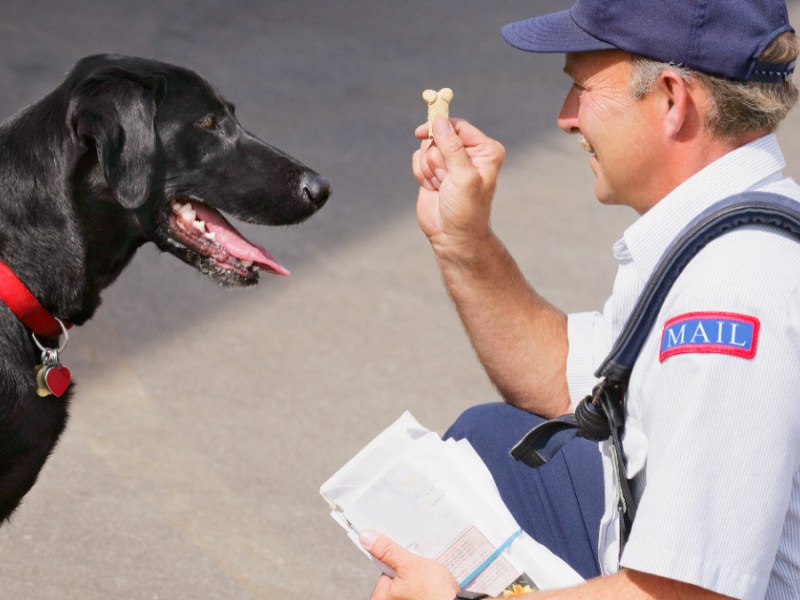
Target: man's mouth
x,y
207,232
586,145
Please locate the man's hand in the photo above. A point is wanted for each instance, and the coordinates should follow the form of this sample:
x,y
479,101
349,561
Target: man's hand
x,y
457,173
425,579
416,578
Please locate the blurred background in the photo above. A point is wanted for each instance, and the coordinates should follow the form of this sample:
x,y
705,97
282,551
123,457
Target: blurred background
x,y
206,419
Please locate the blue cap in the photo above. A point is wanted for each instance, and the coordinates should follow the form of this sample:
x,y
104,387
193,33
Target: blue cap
x,y
718,37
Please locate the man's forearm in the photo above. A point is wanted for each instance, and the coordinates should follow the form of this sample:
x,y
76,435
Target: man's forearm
x,y
519,337
630,585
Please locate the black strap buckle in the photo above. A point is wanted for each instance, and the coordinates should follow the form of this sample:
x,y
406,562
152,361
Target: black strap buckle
x,y
545,440
598,417
593,420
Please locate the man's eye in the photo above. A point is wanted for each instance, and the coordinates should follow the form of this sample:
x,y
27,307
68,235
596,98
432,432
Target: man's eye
x,y
207,123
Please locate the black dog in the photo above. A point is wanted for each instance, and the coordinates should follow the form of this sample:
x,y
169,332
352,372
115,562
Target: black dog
x,y
125,151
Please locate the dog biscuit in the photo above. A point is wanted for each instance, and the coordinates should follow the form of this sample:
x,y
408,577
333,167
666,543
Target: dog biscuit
x,y
438,105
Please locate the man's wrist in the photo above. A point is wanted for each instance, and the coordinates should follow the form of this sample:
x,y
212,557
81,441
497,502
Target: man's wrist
x,y
474,263
464,250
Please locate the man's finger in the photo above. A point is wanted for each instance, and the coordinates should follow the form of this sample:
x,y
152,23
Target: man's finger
x,y
450,145
381,591
423,176
427,158
384,549
421,131
469,134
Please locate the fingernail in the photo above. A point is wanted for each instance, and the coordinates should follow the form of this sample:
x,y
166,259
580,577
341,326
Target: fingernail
x,y
442,126
436,183
428,185
440,174
367,538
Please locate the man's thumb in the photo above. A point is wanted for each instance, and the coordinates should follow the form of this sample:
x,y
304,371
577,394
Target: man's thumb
x,y
450,144
382,548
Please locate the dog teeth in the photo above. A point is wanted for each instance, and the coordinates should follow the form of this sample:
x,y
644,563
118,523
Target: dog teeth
x,y
210,235
247,263
185,211
199,225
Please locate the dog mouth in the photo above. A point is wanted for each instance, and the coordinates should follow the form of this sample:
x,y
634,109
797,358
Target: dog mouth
x,y
204,230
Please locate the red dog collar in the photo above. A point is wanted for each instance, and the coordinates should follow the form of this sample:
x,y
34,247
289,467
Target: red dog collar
x,y
25,306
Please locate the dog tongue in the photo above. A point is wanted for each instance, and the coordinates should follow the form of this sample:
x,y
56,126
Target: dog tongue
x,y
234,242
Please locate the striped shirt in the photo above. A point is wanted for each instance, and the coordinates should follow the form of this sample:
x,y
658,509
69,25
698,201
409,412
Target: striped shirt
x,y
712,438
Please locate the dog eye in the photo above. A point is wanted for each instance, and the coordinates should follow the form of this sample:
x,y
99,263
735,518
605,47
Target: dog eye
x,y
208,123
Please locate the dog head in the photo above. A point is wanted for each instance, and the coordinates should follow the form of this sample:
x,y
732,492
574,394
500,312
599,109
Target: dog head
x,y
166,150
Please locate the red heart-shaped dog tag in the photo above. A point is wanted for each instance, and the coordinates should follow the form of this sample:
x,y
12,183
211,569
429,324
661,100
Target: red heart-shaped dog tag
x,y
57,379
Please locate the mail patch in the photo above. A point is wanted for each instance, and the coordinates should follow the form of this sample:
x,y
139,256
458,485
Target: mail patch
x,y
710,333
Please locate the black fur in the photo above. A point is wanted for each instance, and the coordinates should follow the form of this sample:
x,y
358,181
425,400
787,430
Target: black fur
x,y
87,175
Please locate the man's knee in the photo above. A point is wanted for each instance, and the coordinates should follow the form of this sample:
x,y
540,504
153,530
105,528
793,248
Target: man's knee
x,y
559,504
495,420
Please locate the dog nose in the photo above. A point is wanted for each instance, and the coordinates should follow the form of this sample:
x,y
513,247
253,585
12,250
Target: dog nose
x,y
316,188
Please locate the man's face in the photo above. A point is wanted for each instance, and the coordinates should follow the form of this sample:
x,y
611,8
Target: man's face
x,y
620,131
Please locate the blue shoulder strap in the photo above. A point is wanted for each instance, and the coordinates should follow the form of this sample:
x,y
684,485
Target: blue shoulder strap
x,y
600,416
749,208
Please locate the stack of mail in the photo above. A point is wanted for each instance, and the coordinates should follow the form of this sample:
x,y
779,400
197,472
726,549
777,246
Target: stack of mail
x,y
438,499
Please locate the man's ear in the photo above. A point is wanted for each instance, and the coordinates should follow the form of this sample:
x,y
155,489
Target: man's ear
x,y
115,112
677,104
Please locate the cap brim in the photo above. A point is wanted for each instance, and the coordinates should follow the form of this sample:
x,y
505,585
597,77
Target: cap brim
x,y
554,32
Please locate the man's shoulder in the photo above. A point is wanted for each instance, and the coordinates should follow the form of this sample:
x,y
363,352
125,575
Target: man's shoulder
x,y
785,186
751,254
753,266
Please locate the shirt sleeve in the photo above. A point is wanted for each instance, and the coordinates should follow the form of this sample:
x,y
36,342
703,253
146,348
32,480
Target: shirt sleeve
x,y
715,436
589,335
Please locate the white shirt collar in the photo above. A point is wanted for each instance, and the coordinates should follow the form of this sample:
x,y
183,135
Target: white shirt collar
x,y
742,169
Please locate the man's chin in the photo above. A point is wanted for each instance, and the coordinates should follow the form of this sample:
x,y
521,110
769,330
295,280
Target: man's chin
x,y
601,191
605,193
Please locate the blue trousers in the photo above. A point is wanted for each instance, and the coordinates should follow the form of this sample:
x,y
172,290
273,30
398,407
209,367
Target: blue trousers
x,y
559,504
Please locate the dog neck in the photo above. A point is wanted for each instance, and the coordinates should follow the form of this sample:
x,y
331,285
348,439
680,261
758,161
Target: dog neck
x,y
25,306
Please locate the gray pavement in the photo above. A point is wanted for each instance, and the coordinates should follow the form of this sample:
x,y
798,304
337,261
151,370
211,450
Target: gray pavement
x,y
206,419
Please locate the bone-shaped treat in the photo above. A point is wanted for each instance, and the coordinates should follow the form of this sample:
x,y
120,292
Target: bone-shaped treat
x,y
438,105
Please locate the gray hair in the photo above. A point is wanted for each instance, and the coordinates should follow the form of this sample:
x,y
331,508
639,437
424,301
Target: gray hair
x,y
737,107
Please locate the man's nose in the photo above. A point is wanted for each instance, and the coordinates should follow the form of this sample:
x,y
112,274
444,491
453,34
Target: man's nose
x,y
568,117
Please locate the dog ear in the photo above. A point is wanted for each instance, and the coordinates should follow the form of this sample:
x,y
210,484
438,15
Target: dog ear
x,y
116,112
